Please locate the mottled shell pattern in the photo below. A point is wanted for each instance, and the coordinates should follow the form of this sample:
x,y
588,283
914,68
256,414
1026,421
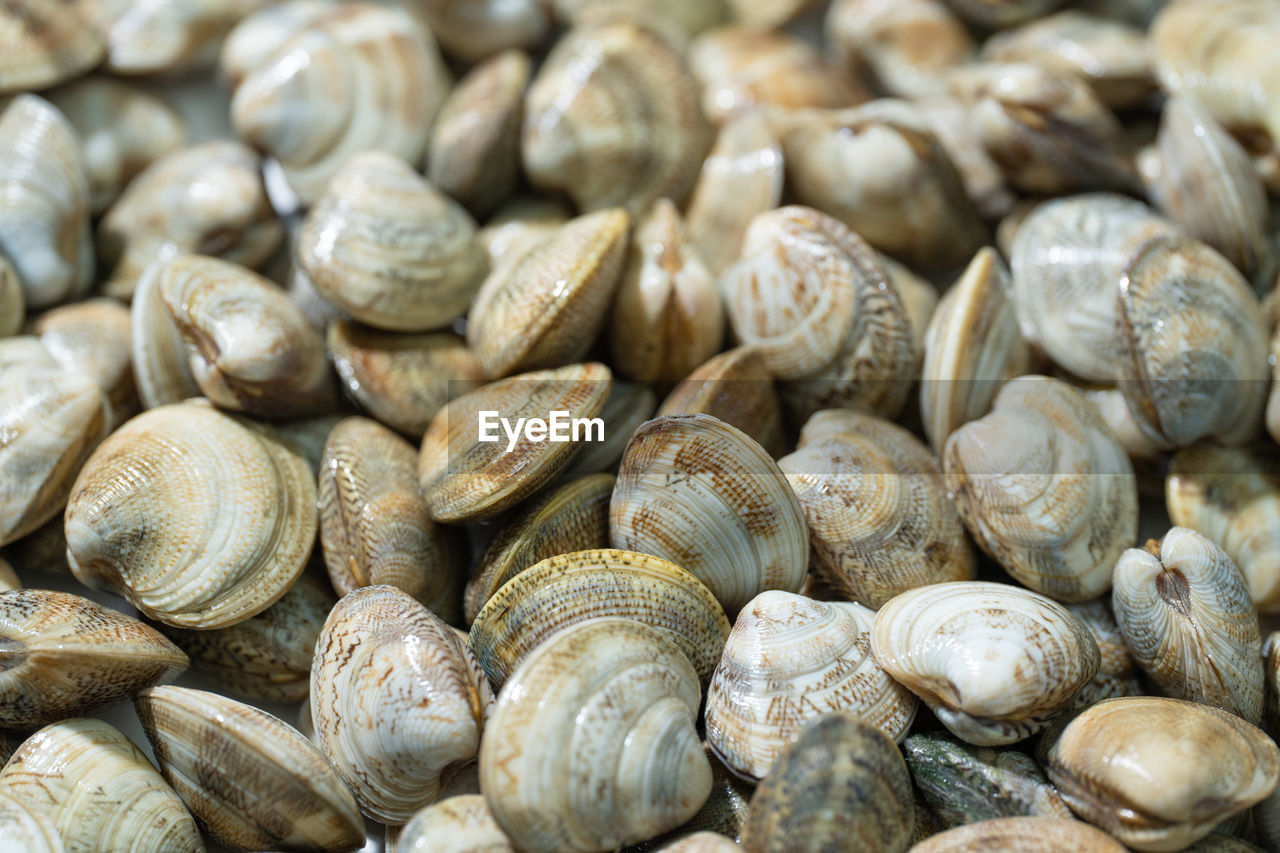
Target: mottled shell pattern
x,y
44,44
461,824
1117,673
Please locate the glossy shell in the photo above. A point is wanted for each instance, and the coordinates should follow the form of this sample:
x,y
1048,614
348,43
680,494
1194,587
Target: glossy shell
x,y
736,387
461,824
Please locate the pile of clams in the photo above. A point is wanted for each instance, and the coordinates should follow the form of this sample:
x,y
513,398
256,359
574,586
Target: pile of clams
x,y
606,426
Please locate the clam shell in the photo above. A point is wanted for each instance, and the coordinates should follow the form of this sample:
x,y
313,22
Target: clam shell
x,y
1210,764
572,588
374,524
612,118
1021,835
700,493
153,38
908,47
13,306
396,698
919,297
842,784
63,655
723,814
736,387
1186,615
463,478
198,519
94,338
251,780
993,14
25,828
388,248
99,791
476,29
1117,674
948,117
701,842
629,405
520,225
1023,656
880,521
45,43
547,309
455,825
768,14
1045,488
789,661
8,580
161,370
627,699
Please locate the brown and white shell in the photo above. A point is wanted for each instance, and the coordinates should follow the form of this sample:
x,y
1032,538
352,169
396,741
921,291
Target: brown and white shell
x,y
396,698
736,387
880,521
253,781
389,249
461,824
153,38
476,29
788,661
1045,488
995,663
907,47
627,698
1117,673
1186,616
629,405
519,225
28,829
198,519
43,43
701,493
1021,835
94,338
613,119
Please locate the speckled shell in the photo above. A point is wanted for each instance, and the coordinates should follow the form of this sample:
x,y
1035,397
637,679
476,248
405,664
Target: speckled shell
x,y
26,828
841,785
266,657
465,479
251,780
627,699
99,791
43,43
1045,488
475,145
13,305
308,102
1193,347
457,825
629,405
44,202
880,521
736,387
1186,615
908,47
612,118
207,198
740,178
546,309
198,519
94,338
972,346
571,517
396,698
1021,835
1117,674
789,660
700,493
66,655
1210,764
388,248
374,524
1023,656
572,588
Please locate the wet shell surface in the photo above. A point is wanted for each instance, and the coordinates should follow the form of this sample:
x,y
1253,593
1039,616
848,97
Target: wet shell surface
x,y
44,43
788,661
61,654
736,387
1211,765
460,824
700,493
99,791
1021,835
251,780
627,699
198,519
1186,614
396,698
571,588
26,828
1023,657
880,521
388,248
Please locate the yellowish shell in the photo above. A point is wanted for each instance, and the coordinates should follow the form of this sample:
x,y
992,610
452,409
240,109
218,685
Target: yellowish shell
x,y
42,43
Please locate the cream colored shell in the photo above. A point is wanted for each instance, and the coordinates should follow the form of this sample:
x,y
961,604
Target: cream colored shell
x,y
460,824
1021,834
736,387
161,370
94,338
28,829
907,46
154,38
13,305
1117,673
701,842
43,43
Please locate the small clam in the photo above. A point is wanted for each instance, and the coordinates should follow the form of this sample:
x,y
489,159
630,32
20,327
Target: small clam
x,y
388,248
8,581
629,405
208,199
25,828
476,29
612,118
61,654
572,588
198,519
151,38
396,698
466,478
995,663
1021,835
546,309
1117,674
1185,613
948,117
699,492
879,518
700,842
13,306
44,201
99,791
908,47
1210,766
841,786
572,517
627,699
994,14
45,43
455,825
94,338
475,146
788,661
1045,488
736,387
308,104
